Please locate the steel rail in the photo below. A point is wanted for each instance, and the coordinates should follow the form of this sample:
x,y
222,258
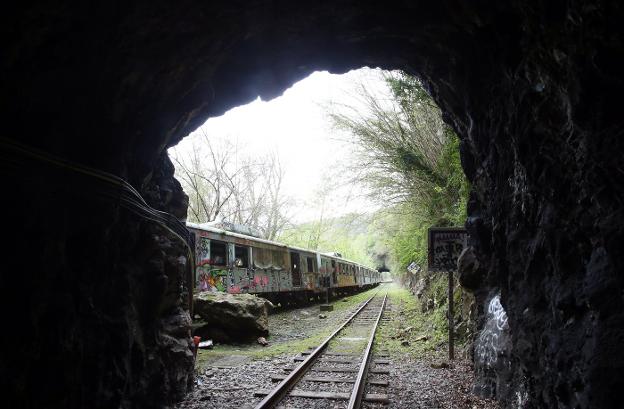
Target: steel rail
x,y
282,389
360,382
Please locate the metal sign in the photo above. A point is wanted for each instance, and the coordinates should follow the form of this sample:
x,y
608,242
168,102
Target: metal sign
x,y
445,246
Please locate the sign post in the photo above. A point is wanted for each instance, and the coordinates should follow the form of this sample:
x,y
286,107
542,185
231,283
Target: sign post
x,y
451,312
445,244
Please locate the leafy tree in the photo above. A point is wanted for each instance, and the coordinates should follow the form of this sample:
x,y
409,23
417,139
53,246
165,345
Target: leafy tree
x,y
348,235
409,159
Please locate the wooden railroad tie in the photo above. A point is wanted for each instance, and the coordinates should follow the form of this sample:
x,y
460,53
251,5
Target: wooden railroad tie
x,y
332,359
369,397
342,361
333,354
349,370
381,355
278,378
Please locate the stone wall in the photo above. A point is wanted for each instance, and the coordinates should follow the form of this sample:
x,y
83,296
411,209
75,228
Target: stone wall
x,y
94,296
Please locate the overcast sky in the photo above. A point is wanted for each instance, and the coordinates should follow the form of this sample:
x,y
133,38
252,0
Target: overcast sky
x,y
296,127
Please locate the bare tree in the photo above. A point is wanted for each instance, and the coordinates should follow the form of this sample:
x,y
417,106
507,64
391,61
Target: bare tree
x,y
312,233
276,204
226,186
208,178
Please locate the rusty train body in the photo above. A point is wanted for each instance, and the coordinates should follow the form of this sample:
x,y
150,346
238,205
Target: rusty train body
x,y
238,263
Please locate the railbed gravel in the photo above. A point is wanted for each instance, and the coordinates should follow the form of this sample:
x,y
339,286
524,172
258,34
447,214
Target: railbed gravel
x,y
413,383
222,388
325,387
302,403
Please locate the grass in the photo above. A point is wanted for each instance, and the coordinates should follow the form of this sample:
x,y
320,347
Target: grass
x,y
291,347
353,300
424,333
258,352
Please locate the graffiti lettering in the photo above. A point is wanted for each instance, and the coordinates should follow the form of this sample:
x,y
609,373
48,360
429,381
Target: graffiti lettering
x,y
445,246
203,251
261,281
212,280
494,338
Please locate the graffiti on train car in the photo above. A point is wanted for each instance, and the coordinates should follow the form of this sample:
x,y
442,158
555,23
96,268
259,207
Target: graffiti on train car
x,y
246,284
260,281
203,251
214,279
234,282
235,264
344,281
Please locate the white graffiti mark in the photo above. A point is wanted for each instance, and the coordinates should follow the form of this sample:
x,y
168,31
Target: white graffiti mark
x,y
494,336
522,397
498,314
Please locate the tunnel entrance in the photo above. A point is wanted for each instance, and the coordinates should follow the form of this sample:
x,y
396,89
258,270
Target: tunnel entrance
x,y
532,89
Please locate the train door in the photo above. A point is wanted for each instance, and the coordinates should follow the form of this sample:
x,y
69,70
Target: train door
x,y
324,272
333,269
311,270
212,269
295,269
241,269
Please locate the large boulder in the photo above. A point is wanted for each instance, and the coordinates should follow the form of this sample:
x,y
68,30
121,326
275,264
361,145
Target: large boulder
x,y
227,317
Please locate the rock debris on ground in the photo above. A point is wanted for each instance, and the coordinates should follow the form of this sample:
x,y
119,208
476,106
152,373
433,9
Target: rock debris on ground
x,y
227,376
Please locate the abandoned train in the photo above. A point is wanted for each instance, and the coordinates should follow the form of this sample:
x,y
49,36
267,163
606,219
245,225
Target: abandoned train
x,y
240,263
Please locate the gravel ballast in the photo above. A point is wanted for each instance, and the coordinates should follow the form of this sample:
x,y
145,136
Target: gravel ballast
x,y
228,376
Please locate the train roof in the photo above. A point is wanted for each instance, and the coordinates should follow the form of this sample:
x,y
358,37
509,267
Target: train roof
x,y
265,241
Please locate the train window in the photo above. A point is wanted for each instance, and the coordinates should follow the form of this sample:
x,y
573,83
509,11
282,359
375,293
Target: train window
x,y
217,253
262,258
203,251
241,256
310,262
279,259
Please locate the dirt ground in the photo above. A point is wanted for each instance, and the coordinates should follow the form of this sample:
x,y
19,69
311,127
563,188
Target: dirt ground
x,y
420,376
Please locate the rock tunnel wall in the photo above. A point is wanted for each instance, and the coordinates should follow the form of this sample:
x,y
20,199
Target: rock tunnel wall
x,y
96,296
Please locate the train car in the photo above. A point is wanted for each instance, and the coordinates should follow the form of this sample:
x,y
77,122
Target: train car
x,y
240,263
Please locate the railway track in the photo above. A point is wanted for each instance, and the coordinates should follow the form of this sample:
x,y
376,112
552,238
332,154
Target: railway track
x,y
339,368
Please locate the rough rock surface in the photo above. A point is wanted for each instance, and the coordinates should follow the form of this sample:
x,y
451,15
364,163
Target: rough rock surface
x,y
468,269
532,87
231,317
